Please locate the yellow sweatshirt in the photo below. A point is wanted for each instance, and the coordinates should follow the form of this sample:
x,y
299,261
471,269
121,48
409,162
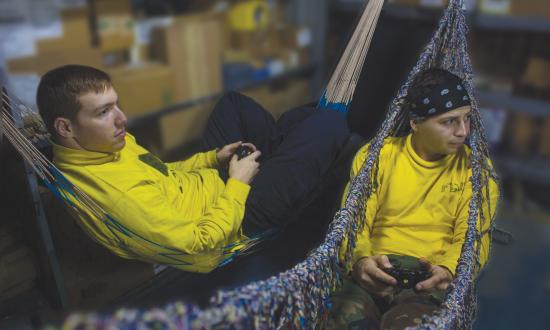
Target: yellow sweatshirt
x,y
420,208
181,214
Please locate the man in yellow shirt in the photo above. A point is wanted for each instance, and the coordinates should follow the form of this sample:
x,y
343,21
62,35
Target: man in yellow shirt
x,y
416,216
187,214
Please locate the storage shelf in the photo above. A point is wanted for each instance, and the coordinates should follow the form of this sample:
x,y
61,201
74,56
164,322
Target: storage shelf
x,y
515,103
155,114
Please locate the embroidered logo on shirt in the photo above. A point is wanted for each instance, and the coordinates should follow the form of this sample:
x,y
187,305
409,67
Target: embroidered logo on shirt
x,y
452,187
154,162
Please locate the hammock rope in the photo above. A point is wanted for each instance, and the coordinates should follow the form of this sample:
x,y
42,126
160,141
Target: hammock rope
x,y
299,297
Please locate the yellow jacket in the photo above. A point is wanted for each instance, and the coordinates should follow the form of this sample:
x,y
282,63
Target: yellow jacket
x,y
181,214
420,208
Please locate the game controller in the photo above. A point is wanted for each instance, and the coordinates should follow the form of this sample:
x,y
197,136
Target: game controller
x,y
243,151
407,278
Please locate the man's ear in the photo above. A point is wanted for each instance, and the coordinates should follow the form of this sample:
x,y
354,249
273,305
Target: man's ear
x,y
63,127
414,125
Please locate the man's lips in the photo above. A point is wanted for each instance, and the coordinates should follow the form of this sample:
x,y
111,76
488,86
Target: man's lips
x,y
121,133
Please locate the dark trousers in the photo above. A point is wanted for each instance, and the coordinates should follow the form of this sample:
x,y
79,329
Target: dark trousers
x,y
298,152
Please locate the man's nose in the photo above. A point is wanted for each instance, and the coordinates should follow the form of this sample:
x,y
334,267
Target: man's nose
x,y
121,119
462,129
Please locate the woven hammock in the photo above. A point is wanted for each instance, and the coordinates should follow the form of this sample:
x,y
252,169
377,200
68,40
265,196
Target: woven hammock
x,y
299,297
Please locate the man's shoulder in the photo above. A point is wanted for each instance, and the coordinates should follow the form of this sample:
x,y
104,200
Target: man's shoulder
x,y
389,147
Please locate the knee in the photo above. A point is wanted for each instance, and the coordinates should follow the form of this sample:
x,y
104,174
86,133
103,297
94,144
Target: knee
x,y
231,96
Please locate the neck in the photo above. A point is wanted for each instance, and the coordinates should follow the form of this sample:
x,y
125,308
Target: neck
x,y
422,149
68,143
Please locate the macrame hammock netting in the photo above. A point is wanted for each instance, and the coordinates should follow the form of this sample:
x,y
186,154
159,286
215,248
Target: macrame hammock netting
x,y
299,297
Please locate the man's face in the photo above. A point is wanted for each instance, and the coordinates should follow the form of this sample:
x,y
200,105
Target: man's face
x,y
444,134
100,124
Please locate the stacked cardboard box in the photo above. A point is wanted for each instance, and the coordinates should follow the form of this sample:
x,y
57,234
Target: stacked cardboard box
x,y
184,127
528,8
74,46
531,134
115,25
278,99
532,8
192,47
143,88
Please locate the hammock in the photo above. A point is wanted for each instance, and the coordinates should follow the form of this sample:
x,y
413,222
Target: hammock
x,y
298,298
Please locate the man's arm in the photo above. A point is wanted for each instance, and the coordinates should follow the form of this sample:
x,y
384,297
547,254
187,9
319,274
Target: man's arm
x,y
452,255
146,210
197,161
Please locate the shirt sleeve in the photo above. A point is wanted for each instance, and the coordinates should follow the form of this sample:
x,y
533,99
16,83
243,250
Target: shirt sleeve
x,y
197,161
363,244
154,219
450,260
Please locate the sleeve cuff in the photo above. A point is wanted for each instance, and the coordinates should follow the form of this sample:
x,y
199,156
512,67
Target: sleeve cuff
x,y
212,158
237,189
451,266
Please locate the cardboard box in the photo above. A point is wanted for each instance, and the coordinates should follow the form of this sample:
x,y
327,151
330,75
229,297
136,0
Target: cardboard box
x,y
183,127
115,24
530,8
279,99
524,131
537,74
495,7
46,61
192,46
76,33
144,88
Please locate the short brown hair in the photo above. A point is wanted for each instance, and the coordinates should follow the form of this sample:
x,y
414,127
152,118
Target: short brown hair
x,y
60,88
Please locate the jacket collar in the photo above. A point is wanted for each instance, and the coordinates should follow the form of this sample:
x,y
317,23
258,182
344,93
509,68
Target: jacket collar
x,y
68,156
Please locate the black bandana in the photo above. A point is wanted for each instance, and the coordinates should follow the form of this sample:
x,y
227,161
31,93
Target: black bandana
x,y
447,96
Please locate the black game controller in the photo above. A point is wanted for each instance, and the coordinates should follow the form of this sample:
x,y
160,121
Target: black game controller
x,y
407,278
243,151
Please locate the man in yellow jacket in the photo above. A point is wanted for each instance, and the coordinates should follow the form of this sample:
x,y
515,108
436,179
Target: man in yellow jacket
x,y
417,214
189,213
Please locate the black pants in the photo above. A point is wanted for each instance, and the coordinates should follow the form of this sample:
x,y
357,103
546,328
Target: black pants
x,y
298,153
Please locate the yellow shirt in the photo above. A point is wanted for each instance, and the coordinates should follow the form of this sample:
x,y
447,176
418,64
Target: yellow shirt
x,y
420,208
181,214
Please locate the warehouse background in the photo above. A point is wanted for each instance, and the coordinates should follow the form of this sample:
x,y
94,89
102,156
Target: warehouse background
x,y
171,60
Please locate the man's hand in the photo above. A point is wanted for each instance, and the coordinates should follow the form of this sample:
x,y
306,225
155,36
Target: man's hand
x,y
245,169
440,277
224,154
369,274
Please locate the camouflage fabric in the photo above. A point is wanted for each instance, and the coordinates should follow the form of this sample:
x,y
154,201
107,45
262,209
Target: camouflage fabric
x,y
353,308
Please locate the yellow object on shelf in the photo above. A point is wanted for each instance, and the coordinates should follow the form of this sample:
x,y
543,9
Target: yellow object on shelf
x,y
249,15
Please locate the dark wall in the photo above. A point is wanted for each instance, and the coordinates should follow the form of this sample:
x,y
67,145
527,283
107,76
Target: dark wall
x,y
394,51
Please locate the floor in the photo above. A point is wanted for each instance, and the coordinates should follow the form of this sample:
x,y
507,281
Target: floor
x,y
514,291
